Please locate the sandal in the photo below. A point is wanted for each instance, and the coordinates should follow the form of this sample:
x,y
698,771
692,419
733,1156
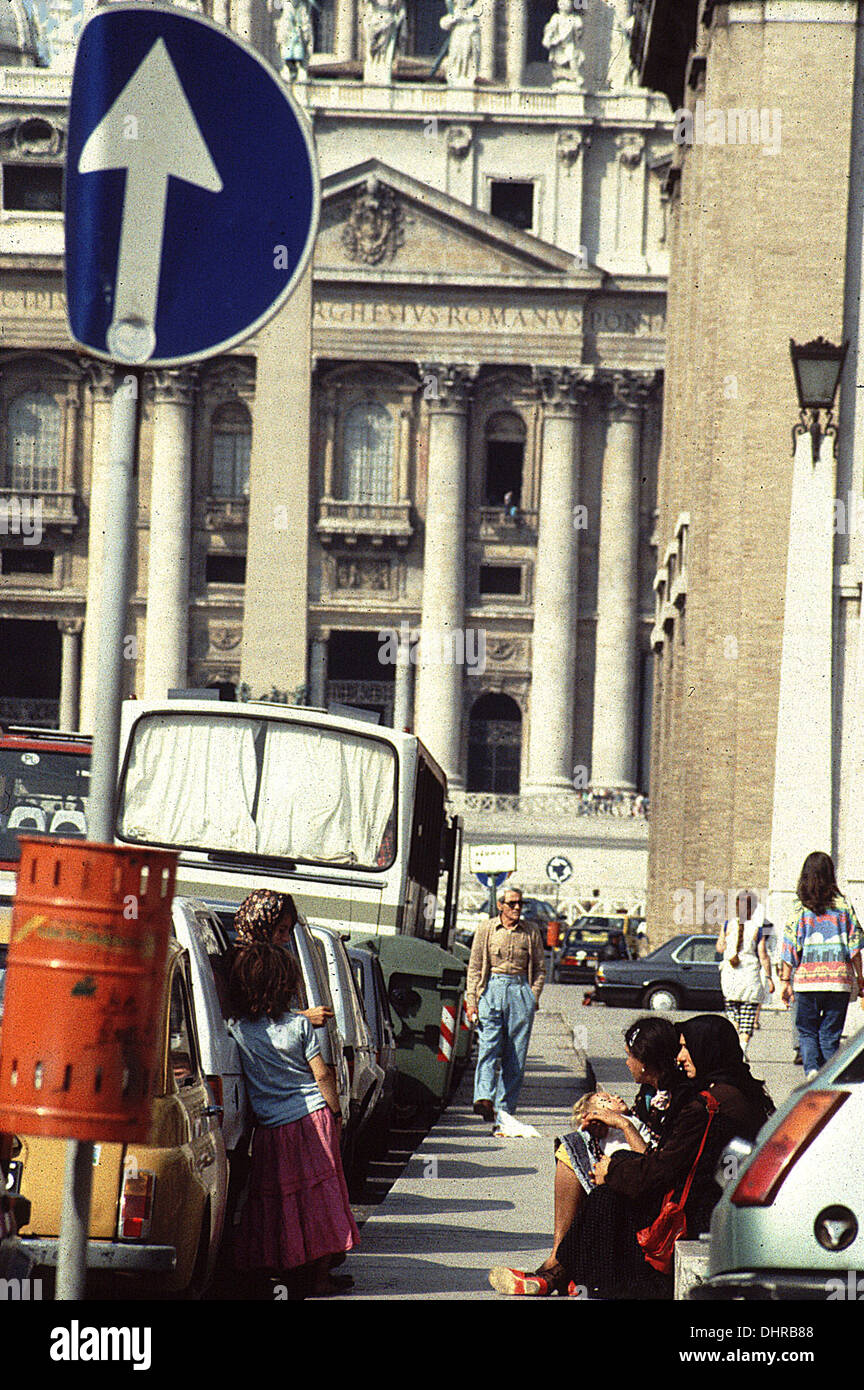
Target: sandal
x,y
522,1284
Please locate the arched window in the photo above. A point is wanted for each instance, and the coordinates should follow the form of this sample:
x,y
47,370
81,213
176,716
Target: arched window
x,y
231,450
494,745
505,458
33,448
367,454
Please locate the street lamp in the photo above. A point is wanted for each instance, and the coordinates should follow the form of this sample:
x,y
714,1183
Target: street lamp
x,y
818,366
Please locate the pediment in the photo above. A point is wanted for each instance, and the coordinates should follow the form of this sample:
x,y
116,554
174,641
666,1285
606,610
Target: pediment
x,y
378,221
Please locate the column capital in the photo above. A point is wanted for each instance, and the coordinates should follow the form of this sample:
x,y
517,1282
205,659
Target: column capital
x,y
70,627
177,385
629,392
446,387
563,389
100,379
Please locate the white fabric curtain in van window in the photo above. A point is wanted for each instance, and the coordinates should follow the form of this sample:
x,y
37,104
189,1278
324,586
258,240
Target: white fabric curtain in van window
x,y
191,781
325,796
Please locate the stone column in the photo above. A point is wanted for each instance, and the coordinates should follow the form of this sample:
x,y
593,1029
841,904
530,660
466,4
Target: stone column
x,y
167,651
343,41
318,671
439,676
553,663
517,34
70,671
802,806
616,669
403,702
487,40
101,392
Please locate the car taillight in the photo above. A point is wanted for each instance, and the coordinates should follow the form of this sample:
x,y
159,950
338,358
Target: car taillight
x,y
569,960
216,1090
779,1154
136,1204
601,973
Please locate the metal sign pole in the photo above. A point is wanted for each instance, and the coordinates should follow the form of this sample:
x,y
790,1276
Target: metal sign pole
x,y
101,804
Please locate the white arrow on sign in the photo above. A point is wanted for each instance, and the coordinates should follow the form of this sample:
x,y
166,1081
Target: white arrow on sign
x,y
151,132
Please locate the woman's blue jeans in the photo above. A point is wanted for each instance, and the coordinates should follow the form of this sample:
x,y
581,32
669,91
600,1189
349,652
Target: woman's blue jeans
x,y
505,1013
819,1019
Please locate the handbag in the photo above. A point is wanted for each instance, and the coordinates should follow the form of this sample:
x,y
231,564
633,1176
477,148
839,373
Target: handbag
x,y
670,1224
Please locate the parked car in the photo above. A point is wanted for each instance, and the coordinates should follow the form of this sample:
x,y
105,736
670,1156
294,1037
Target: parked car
x,y
199,930
366,1076
372,991
581,951
683,973
546,917
157,1209
790,1222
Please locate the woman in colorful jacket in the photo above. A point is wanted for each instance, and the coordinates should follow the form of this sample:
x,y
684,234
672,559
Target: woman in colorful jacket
x,y
822,944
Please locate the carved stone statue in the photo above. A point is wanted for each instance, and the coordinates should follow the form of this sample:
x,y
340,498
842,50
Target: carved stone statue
x,y
58,32
382,26
562,36
374,230
294,36
462,24
621,72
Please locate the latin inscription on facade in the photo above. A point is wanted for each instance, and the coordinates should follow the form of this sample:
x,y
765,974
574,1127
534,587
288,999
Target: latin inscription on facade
x,y
488,318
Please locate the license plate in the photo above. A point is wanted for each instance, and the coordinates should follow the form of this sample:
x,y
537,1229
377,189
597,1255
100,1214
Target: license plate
x,y
13,1176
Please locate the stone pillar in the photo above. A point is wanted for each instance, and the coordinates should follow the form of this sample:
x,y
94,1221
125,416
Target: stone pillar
x,y
517,35
222,13
101,392
318,671
343,42
403,702
616,668
70,671
439,676
553,662
166,657
487,40
276,596
801,816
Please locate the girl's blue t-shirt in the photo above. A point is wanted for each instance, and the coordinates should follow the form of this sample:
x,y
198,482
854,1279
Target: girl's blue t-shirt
x,y
275,1054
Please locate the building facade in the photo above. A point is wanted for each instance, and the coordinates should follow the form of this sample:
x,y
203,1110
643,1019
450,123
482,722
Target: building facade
x,y
427,488
757,697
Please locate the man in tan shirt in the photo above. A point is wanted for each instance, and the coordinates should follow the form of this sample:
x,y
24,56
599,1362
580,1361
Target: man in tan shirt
x,y
506,974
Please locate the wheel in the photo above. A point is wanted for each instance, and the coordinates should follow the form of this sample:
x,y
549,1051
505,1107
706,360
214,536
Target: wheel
x,y
660,997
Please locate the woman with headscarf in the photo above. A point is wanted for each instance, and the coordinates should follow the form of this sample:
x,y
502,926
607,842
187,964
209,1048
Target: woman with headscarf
x,y
601,1251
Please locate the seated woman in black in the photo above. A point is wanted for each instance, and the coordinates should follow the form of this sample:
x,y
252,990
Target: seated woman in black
x,y
600,1250
651,1048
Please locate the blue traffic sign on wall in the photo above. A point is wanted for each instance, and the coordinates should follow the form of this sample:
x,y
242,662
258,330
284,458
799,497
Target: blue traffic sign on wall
x,y
192,190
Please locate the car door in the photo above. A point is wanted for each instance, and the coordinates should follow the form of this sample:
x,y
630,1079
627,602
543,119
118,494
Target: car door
x,y
706,972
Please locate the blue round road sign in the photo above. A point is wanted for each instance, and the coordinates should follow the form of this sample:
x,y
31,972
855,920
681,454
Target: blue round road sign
x,y
192,191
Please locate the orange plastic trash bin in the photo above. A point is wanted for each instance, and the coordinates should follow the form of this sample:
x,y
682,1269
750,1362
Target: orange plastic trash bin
x,y
83,1029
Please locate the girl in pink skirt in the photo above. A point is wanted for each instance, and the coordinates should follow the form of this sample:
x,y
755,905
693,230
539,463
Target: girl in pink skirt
x,y
297,1214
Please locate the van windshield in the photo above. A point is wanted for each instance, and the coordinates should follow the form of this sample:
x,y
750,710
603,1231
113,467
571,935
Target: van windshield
x,y
264,787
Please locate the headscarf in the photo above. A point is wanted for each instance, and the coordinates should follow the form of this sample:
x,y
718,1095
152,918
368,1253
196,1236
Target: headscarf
x,y
715,1049
258,914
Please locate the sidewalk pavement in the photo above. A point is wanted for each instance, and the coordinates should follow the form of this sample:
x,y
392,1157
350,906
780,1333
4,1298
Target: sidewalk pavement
x,y
467,1201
